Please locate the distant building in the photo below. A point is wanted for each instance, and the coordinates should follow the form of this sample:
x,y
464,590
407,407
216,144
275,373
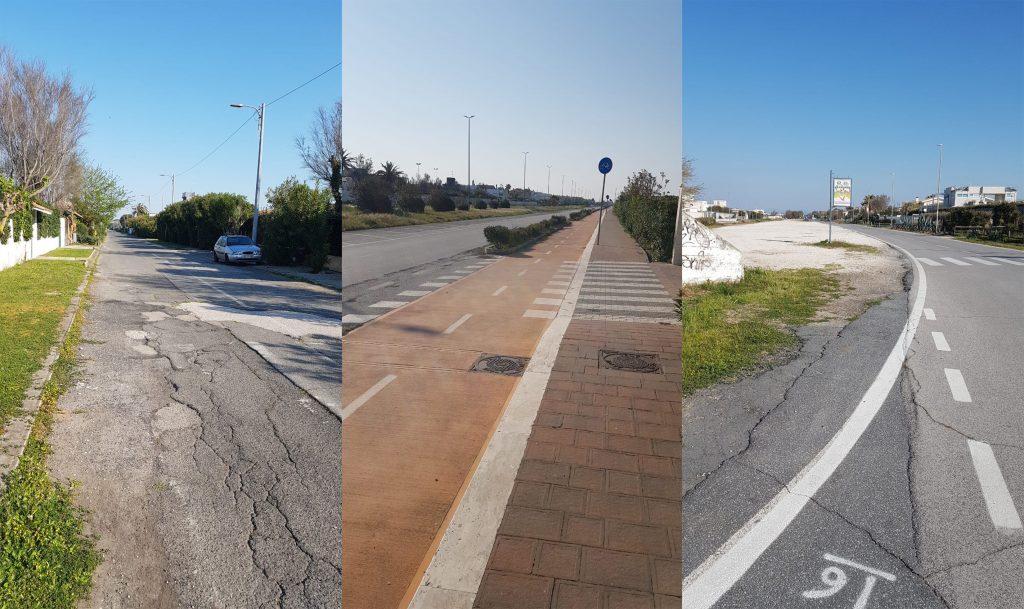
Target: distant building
x,y
961,196
720,203
695,207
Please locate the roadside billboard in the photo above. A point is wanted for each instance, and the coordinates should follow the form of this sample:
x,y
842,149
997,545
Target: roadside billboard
x,y
842,192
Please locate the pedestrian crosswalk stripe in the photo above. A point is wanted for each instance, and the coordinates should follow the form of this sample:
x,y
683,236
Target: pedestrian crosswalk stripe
x,y
433,284
929,262
625,298
540,314
628,318
982,261
353,318
547,301
388,304
622,307
450,277
957,262
621,291
416,293
1009,261
625,284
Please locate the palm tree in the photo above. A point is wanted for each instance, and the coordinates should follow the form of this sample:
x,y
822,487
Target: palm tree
x,y
390,172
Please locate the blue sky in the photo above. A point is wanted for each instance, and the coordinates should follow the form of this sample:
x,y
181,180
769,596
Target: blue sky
x,y
569,81
777,93
163,74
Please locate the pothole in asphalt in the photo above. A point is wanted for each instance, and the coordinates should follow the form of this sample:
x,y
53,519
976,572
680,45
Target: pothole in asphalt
x,y
507,365
629,361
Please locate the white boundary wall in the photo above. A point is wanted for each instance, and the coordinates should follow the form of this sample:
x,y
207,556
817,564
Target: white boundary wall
x,y
15,252
705,255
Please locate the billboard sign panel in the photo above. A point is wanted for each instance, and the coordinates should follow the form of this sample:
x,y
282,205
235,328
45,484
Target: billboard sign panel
x,y
842,192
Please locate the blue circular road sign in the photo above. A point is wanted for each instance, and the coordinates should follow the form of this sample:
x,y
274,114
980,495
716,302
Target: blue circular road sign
x,y
605,165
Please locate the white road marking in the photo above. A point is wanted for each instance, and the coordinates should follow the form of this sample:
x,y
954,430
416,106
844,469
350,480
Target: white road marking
x,y
450,277
929,314
957,262
1000,505
500,290
1009,261
466,272
357,403
458,323
856,565
537,260
561,284
433,284
625,298
547,301
606,263
624,284
553,291
590,306
521,273
415,293
930,262
982,261
957,386
540,314
547,252
388,304
619,291
940,341
629,318
706,584
352,318
455,571
380,285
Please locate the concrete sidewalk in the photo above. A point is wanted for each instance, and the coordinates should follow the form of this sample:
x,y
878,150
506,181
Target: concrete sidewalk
x,y
594,519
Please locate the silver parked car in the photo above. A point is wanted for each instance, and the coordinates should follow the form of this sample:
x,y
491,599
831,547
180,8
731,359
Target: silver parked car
x,y
236,248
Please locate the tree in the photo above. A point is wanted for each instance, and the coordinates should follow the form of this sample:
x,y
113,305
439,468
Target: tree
x,y
42,120
140,210
689,190
875,203
645,185
1005,214
322,153
391,173
98,202
297,230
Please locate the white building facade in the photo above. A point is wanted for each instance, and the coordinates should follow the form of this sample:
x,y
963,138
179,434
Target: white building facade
x,y
964,196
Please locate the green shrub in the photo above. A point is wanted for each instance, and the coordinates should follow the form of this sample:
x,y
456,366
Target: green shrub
x,y
441,202
412,204
494,203
651,221
499,236
201,220
297,229
481,204
504,238
143,227
505,204
373,195
463,206
579,214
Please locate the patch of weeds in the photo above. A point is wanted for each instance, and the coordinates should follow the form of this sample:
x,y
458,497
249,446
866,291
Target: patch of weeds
x,y
732,327
846,245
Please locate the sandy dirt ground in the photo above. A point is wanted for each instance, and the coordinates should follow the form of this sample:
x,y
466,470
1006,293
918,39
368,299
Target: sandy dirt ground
x,y
867,277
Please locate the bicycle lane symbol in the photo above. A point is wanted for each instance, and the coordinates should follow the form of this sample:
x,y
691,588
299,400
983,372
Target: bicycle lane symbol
x,y
835,579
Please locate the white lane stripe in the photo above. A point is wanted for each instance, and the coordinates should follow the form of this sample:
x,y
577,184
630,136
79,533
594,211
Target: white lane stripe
x,y
547,301
357,403
416,293
957,386
940,341
982,261
458,323
388,304
629,318
433,284
520,273
590,306
1009,261
957,262
663,299
547,252
463,272
561,284
620,291
930,262
997,496
353,318
929,314
500,290
553,291
537,261
540,314
450,277
458,565
706,584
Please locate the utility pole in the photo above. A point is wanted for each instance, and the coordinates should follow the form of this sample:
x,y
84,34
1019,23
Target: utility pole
x,y
469,137
260,112
524,169
549,179
169,175
938,185
418,171
831,197
892,203
563,184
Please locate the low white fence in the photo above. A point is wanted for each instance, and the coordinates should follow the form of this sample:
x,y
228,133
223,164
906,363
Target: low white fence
x,y
15,252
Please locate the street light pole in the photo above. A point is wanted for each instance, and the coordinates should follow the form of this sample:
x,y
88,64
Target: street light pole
x,y
469,135
563,184
524,169
169,175
549,179
260,112
892,203
418,171
938,185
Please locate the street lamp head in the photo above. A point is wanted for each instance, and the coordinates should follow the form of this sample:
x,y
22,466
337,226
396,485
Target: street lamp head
x,y
237,105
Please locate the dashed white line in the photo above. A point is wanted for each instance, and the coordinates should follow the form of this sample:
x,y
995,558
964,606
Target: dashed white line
x,y
458,323
547,252
433,284
940,341
537,260
1000,505
957,386
416,293
357,403
929,314
547,301
540,314
553,291
500,290
388,304
521,273
562,284
1009,261
957,262
450,277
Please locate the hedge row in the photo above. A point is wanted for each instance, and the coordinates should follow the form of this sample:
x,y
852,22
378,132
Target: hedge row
x,y
651,222
201,220
579,214
504,238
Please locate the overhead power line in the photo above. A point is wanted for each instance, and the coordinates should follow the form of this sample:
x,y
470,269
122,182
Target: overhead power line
x,y
304,84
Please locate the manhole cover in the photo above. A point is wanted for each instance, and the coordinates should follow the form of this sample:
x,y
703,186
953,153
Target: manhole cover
x,y
634,362
501,364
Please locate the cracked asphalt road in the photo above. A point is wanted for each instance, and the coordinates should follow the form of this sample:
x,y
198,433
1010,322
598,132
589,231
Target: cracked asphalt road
x,y
211,478
906,501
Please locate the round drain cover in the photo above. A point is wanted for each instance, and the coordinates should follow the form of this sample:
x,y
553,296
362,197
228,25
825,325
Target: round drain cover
x,y
634,362
501,364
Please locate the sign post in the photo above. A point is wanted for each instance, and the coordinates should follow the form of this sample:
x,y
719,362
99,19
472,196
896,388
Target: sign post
x,y
604,166
840,195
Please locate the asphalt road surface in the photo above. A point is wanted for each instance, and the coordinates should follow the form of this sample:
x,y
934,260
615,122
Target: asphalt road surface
x,y
854,477
210,477
371,254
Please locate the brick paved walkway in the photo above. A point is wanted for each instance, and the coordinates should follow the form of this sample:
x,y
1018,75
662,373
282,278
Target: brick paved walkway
x,y
594,519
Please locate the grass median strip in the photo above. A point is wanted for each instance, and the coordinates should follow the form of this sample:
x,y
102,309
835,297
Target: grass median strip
x,y
729,328
846,245
353,219
35,295
70,252
46,559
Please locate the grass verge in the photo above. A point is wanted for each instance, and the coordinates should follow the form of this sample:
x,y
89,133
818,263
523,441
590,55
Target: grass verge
x,y
732,327
1012,246
71,252
357,220
35,295
846,245
46,559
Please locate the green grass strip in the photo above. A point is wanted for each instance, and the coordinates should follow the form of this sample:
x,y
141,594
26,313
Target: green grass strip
x,y
729,328
846,245
35,295
70,252
1014,246
46,559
